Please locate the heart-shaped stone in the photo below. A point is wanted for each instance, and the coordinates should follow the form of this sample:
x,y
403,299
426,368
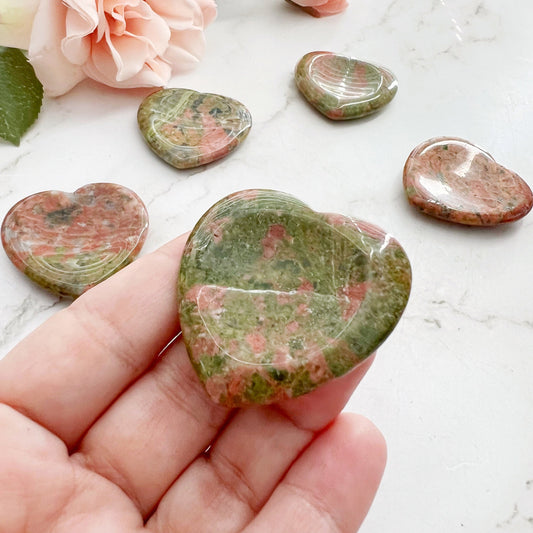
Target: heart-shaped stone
x,y
276,299
69,242
188,129
344,88
323,8
454,180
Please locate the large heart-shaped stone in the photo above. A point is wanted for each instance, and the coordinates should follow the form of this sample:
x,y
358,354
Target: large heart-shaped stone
x,y
188,129
276,299
454,180
68,243
344,88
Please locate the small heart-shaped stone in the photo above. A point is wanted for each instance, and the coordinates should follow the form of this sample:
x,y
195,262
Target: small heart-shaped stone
x,y
69,242
323,8
454,180
276,299
188,129
344,88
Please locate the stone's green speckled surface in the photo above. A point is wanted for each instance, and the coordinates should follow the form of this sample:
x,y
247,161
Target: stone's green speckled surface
x,y
344,88
188,129
68,243
276,299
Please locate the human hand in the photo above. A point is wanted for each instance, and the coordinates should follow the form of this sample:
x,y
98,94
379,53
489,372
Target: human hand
x,y
99,434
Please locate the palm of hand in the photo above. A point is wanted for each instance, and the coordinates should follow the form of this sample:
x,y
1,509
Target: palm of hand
x,y
99,434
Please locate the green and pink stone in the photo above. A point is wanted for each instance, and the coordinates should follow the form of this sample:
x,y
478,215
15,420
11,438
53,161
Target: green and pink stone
x,y
321,8
452,179
344,88
188,129
69,242
276,299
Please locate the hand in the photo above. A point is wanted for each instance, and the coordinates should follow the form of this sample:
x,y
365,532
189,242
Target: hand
x,y
100,434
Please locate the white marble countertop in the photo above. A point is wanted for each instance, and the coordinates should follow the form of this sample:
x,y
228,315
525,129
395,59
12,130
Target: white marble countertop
x,y
452,388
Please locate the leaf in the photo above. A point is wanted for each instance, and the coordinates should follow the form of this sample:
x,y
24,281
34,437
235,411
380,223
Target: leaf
x,y
21,95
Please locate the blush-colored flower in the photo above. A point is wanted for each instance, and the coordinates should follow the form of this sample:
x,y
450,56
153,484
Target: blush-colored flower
x,y
121,43
321,8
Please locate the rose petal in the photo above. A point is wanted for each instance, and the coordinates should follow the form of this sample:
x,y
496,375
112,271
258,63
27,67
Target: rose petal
x,y
129,54
56,73
155,30
122,43
185,50
209,11
155,73
187,42
139,35
76,46
182,14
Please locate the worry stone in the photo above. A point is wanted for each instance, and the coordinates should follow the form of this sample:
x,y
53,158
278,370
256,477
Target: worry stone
x,y
321,8
188,129
276,299
344,88
454,180
69,242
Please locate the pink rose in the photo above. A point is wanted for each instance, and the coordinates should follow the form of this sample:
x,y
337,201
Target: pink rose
x,y
121,43
321,8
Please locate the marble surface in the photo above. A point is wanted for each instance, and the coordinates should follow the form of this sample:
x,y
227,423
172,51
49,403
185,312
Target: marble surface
x,y
451,388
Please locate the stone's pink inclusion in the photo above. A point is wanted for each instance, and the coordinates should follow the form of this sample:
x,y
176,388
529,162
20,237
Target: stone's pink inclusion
x,y
321,8
454,180
275,234
257,342
351,297
207,298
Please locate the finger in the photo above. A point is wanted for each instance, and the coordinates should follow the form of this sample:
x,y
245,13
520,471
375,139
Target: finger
x,y
67,372
153,431
314,411
232,482
331,486
42,491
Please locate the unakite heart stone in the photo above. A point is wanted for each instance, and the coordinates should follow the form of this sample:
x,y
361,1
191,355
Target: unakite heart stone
x,y
188,129
276,299
322,8
454,180
68,243
344,88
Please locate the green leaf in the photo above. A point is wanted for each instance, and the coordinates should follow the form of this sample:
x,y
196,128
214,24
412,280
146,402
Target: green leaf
x,y
21,95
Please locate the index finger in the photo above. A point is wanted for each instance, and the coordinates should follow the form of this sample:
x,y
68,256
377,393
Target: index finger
x,y
70,369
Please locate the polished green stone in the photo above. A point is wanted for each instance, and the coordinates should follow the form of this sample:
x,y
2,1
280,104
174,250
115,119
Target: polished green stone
x,y
344,88
276,299
188,129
